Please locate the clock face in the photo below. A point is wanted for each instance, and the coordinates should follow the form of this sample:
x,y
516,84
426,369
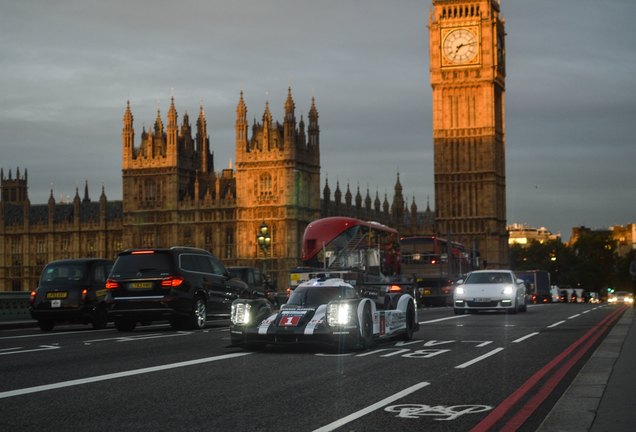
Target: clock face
x,y
460,46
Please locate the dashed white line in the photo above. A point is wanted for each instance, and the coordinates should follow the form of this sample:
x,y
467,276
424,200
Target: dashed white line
x,y
556,324
478,359
443,319
23,391
356,415
528,336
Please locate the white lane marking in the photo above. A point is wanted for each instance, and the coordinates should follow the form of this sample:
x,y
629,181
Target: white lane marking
x,y
574,316
556,324
444,319
356,415
10,349
528,336
42,348
18,392
478,359
48,334
138,337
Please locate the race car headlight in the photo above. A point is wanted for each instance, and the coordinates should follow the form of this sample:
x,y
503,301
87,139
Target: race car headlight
x,y
507,290
240,313
338,314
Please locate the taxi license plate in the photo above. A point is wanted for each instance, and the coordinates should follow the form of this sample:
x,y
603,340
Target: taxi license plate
x,y
140,285
56,295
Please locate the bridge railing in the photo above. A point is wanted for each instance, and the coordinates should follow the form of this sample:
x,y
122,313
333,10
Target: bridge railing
x,y
14,305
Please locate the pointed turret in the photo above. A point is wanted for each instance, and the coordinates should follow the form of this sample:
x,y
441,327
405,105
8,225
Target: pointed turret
x,y
203,143
86,197
127,137
289,124
313,131
171,134
241,125
267,126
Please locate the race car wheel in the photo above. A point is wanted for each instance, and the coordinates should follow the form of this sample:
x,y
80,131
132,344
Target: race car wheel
x,y
410,322
366,328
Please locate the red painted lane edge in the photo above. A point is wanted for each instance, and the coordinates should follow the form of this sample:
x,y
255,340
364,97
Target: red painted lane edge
x,y
502,409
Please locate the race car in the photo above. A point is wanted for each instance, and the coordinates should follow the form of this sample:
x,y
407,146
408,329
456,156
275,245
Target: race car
x,y
323,310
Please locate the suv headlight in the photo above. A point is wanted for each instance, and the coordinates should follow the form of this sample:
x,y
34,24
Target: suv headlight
x,y
339,314
240,313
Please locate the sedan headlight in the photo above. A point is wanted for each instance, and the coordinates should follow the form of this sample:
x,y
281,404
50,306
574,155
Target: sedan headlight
x,y
507,290
339,314
240,313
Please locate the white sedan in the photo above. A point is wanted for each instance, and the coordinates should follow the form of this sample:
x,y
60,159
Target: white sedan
x,y
490,290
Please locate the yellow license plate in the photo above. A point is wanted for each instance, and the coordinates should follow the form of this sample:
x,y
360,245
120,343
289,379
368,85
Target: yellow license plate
x,y
57,295
427,292
141,285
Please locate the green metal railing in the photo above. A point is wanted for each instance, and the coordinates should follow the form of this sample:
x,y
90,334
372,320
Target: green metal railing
x,y
14,305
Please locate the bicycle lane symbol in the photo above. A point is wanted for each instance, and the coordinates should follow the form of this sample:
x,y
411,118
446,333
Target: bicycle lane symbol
x,y
446,413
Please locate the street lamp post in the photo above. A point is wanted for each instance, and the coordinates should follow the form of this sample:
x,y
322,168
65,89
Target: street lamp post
x,y
264,241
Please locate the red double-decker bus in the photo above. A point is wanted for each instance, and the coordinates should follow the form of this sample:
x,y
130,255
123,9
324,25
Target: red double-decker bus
x,y
433,264
360,252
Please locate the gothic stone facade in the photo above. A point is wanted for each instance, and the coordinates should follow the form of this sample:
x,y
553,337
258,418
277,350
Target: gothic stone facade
x,y
172,195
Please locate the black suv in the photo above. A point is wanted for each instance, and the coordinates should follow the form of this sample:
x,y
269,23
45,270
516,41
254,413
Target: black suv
x,y
183,285
72,290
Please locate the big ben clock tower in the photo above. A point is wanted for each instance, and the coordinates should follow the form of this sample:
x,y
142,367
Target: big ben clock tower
x,y
467,67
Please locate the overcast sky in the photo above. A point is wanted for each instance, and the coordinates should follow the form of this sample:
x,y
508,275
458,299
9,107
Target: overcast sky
x,y
67,68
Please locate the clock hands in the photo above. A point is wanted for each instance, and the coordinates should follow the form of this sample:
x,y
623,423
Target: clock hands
x,y
461,45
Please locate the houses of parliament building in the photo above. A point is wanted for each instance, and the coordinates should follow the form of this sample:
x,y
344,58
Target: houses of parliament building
x,y
172,195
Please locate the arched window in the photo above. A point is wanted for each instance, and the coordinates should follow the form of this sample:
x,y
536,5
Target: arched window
x,y
265,185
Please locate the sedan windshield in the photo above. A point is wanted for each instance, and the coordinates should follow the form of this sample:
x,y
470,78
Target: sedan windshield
x,y
488,278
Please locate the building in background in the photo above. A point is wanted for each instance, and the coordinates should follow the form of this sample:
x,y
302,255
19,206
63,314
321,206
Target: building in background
x,y
172,195
521,234
467,75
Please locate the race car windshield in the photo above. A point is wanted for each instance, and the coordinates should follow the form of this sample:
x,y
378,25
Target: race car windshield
x,y
315,296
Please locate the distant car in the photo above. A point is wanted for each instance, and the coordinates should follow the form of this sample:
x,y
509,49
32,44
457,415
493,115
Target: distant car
x,y
71,290
621,297
494,290
180,284
323,311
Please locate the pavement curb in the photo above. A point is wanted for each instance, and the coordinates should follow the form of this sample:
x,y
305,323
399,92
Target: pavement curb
x,y
579,406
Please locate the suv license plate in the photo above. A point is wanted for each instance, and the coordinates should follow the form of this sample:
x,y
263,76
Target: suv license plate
x,y
141,285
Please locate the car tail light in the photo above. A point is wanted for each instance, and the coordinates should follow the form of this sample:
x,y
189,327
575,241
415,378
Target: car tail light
x,y
171,282
111,284
142,252
84,294
32,297
395,288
